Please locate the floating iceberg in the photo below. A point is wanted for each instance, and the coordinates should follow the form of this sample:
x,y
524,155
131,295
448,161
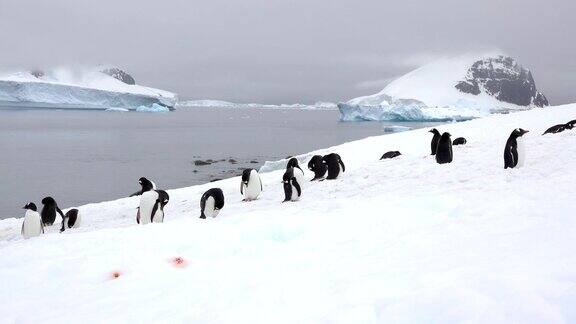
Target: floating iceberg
x,y
93,89
153,108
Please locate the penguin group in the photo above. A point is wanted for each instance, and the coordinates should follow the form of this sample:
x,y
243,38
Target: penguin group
x,y
34,222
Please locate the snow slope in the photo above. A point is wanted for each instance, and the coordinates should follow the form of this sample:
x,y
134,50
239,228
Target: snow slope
x,y
226,104
401,241
87,89
427,94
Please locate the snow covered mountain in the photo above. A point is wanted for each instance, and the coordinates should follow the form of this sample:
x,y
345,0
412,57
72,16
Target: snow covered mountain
x,y
107,88
458,88
226,104
404,240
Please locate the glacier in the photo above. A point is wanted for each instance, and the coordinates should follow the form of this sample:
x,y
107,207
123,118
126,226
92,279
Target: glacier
x,y
85,90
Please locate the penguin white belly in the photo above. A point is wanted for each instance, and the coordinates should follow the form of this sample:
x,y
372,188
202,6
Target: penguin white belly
x,y
299,175
158,216
78,220
32,225
209,208
252,191
147,201
521,151
294,194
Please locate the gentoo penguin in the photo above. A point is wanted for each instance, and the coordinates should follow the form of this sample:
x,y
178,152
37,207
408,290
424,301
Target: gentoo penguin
x,y
292,189
317,165
32,225
49,210
557,129
435,139
444,149
514,152
151,209
334,164
211,203
390,155
459,141
71,219
146,184
251,185
298,172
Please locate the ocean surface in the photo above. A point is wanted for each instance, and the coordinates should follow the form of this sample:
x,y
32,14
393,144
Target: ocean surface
x,y
80,157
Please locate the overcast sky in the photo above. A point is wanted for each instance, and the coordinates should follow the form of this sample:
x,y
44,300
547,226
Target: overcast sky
x,y
287,51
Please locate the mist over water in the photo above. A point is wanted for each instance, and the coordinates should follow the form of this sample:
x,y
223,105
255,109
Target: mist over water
x,y
81,157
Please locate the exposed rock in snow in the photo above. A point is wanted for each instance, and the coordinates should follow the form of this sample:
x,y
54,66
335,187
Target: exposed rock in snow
x,y
88,89
405,241
451,89
119,75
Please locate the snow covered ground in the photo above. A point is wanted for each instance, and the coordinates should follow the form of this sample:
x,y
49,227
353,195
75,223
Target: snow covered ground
x,y
226,104
394,241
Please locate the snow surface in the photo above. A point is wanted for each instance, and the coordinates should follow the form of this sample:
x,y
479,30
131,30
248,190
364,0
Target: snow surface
x,y
427,94
85,89
226,104
404,240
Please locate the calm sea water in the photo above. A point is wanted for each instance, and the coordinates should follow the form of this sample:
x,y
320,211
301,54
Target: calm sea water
x,y
79,157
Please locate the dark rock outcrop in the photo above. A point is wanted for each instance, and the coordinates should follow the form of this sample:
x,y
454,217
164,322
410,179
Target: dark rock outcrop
x,y
119,75
505,79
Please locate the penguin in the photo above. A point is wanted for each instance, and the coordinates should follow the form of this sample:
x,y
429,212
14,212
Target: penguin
x,y
32,225
49,210
514,151
572,123
146,184
292,189
317,165
459,141
298,172
211,203
444,149
334,164
556,129
71,219
151,209
390,155
251,185
435,140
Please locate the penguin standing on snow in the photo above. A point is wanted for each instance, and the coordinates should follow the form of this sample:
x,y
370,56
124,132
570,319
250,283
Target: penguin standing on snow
x,y
32,225
151,209
71,219
514,151
298,172
444,149
49,210
251,185
292,189
435,140
334,164
146,184
211,203
317,165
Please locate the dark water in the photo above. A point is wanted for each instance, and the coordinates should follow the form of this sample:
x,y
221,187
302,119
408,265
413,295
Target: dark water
x,y
89,156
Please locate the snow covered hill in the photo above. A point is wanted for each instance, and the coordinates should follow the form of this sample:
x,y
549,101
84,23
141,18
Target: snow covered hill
x,y
457,88
394,241
107,88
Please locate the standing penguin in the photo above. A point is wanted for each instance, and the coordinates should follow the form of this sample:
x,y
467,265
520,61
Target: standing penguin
x,y
251,185
292,189
514,152
298,172
151,209
146,184
49,210
71,219
435,140
32,225
334,164
444,149
317,165
211,203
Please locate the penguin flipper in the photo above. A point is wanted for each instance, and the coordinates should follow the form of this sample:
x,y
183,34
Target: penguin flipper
x,y
154,209
342,164
241,187
261,188
22,230
514,152
60,212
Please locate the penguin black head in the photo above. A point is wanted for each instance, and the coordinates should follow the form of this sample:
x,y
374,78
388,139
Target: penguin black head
x,y
446,135
434,131
246,176
572,123
518,132
48,201
146,184
292,163
31,206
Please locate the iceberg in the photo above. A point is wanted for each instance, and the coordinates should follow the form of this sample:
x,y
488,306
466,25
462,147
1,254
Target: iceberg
x,y
93,89
320,105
